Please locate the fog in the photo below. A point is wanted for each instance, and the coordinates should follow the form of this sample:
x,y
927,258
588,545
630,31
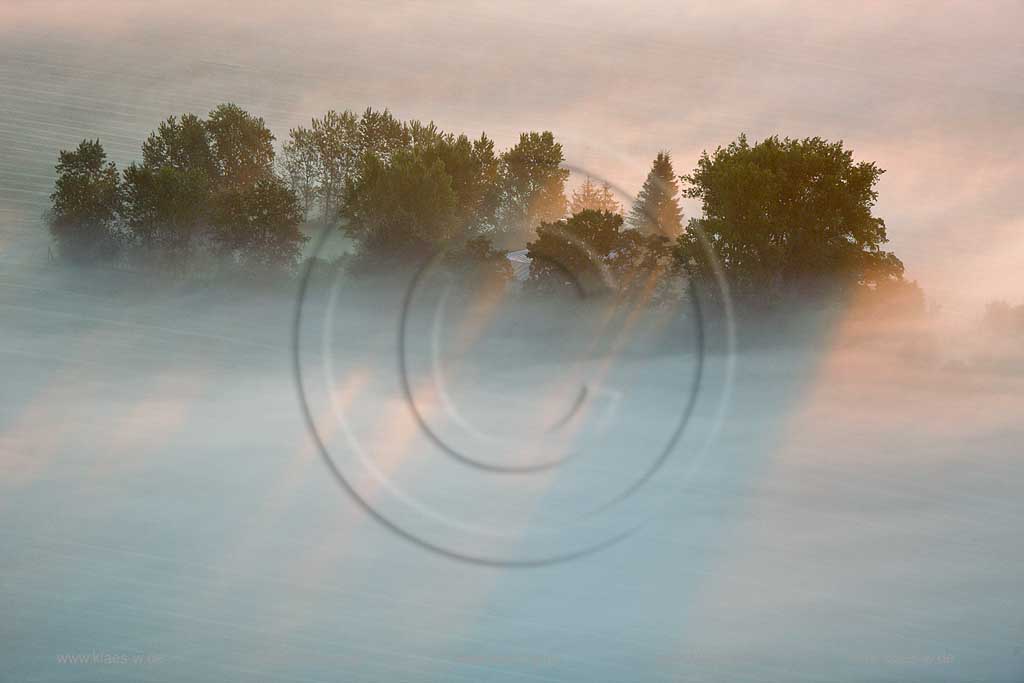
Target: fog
x,y
932,95
418,479
843,503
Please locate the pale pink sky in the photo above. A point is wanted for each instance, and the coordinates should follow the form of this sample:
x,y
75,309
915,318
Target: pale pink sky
x,y
933,92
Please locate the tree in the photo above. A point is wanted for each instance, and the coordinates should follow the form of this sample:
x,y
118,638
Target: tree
x,y
212,183
241,145
166,209
86,201
321,160
588,252
480,264
533,186
474,172
381,135
257,223
401,208
594,197
656,210
419,190
166,195
787,216
255,216
182,144
302,166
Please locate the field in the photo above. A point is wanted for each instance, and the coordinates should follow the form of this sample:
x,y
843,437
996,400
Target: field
x,y
167,514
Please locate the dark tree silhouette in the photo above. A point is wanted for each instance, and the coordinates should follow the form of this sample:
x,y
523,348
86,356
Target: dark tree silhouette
x,y
182,144
437,191
242,146
257,223
401,208
210,184
788,217
571,254
86,201
166,196
591,252
166,210
782,217
474,172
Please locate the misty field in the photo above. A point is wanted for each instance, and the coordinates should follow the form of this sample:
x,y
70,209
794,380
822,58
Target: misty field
x,y
167,514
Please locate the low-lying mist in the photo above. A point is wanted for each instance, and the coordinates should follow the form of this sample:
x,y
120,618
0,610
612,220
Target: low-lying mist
x,y
192,471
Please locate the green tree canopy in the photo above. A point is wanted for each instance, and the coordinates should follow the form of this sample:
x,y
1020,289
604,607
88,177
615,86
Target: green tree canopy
x,y
784,215
166,196
180,143
588,251
656,209
533,186
241,145
257,223
86,201
320,161
400,207
381,135
780,216
473,169
436,190
166,208
202,183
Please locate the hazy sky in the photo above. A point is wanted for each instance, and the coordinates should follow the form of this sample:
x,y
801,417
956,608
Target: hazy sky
x,y
932,92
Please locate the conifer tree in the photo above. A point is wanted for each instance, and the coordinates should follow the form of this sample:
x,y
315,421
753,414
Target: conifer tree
x,y
656,210
594,197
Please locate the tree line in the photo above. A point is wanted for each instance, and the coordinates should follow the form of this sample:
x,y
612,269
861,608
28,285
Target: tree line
x,y
204,186
779,218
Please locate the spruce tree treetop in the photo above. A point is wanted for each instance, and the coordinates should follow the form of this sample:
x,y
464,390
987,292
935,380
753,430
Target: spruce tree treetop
x,y
656,210
593,197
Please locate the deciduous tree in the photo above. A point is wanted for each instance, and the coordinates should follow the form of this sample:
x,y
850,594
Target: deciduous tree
x,y
401,208
788,216
257,223
533,186
321,160
580,253
241,145
86,201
